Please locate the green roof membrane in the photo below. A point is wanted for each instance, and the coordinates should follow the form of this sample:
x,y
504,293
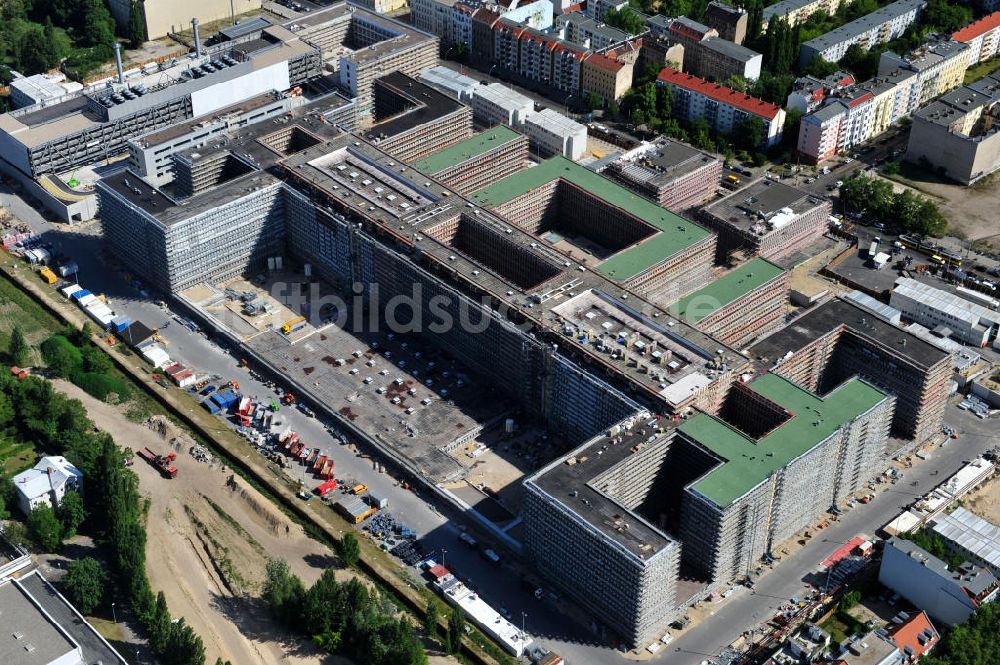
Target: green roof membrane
x,y
465,150
747,463
675,233
731,286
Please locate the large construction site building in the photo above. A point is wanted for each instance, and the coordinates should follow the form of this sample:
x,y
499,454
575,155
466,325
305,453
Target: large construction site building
x,y
746,303
671,173
838,339
473,164
625,237
767,218
611,523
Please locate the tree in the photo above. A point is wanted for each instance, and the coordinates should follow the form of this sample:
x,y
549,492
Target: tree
x,y
98,27
456,625
86,581
71,514
184,646
283,592
431,620
945,17
625,19
737,83
755,19
592,100
136,25
61,356
349,549
820,67
18,349
750,133
44,528
159,625
790,129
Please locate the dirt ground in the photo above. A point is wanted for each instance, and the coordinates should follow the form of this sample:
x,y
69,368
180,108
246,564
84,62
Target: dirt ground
x,y
208,543
985,501
971,211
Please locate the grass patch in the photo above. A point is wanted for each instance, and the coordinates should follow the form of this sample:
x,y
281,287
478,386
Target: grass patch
x,y
842,625
16,457
17,308
982,69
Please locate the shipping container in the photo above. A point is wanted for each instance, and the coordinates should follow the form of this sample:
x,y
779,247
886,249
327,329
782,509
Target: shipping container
x,y
326,487
48,276
71,289
79,294
67,269
212,407
120,323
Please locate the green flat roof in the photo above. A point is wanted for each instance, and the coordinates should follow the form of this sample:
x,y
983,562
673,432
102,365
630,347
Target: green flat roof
x,y
675,232
748,463
467,149
731,286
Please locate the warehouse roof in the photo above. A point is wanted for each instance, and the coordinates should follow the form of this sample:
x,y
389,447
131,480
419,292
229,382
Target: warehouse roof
x,y
748,462
676,233
971,533
733,285
465,150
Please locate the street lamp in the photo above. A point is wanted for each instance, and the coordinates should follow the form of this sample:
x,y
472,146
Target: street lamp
x,y
114,614
443,552
523,615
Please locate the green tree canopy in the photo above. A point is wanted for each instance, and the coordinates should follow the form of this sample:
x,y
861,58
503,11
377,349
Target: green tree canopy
x,y
44,528
85,583
349,549
625,19
18,349
71,514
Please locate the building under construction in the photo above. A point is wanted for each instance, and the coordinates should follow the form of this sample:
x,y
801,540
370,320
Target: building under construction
x,y
474,163
768,219
839,339
612,522
746,303
593,220
671,173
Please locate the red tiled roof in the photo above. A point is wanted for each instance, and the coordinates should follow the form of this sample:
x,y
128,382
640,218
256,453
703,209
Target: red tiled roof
x,y
862,98
909,634
605,63
977,28
573,8
720,93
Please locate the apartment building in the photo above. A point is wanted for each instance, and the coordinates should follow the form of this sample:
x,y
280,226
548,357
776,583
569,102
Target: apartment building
x,y
882,25
606,77
729,22
808,92
849,115
939,67
538,56
412,120
484,20
768,219
982,38
598,8
723,108
739,307
474,163
582,29
957,133
776,456
965,321
797,11
838,339
708,56
671,173
496,104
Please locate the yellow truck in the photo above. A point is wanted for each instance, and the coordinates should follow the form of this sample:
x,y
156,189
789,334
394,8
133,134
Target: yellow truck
x,y
48,276
359,489
298,323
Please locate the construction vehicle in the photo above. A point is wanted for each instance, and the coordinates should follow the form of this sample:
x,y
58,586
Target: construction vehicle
x,y
163,463
326,488
48,276
288,398
359,489
296,324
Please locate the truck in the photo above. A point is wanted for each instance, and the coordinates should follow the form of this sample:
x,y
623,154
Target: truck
x,y
163,463
359,489
873,249
326,488
298,323
48,276
492,557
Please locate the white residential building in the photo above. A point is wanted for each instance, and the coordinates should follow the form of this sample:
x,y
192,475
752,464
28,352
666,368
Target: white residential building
x,y
882,25
552,133
982,36
46,483
496,104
